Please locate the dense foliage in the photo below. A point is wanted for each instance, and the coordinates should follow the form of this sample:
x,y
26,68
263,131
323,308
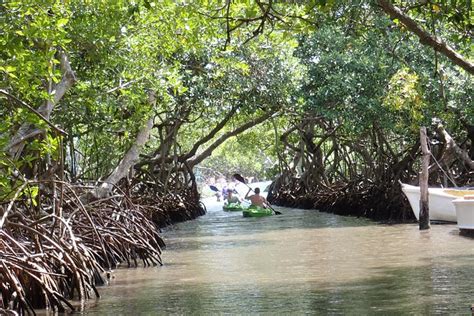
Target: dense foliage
x,y
129,98
121,51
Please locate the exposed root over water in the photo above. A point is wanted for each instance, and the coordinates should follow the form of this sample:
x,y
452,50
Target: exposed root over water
x,y
57,247
355,198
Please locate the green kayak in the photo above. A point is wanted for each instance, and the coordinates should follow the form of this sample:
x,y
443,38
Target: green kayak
x,y
255,211
232,207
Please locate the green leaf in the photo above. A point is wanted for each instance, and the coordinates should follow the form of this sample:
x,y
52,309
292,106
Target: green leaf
x,y
61,22
10,69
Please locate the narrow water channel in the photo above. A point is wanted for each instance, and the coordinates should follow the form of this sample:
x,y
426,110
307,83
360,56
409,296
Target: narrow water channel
x,y
302,261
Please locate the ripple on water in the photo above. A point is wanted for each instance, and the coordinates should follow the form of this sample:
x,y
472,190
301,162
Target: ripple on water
x,y
302,261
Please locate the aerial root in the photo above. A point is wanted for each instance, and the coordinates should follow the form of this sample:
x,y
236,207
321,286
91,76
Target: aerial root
x,y
47,259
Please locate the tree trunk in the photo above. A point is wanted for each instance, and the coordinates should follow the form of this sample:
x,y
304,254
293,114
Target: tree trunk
x,y
453,148
130,158
16,144
424,209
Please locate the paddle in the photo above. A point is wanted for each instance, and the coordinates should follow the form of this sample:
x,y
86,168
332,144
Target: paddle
x,y
241,179
218,192
215,189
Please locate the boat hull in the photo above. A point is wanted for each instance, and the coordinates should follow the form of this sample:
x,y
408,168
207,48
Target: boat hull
x,y
440,203
465,212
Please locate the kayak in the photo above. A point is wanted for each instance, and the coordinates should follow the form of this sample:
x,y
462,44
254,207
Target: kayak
x,y
232,207
256,211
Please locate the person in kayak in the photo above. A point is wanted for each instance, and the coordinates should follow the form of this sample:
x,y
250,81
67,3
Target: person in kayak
x,y
224,192
256,199
231,198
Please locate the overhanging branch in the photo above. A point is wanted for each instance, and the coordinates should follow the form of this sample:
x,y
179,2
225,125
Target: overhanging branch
x,y
425,37
31,109
208,151
209,136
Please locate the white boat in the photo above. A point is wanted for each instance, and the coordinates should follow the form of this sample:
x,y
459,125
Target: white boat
x,y
465,212
440,201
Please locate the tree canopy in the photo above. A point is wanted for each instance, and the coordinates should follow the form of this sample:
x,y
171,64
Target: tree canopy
x,y
109,107
205,62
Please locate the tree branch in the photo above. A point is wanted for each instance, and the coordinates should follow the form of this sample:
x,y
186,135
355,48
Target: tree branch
x,y
24,104
45,110
209,136
425,37
208,151
451,146
131,156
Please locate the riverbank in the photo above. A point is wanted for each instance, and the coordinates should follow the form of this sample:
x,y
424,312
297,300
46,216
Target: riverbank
x,y
51,257
362,198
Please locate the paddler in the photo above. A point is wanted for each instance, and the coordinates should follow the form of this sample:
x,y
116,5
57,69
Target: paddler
x,y
256,199
231,198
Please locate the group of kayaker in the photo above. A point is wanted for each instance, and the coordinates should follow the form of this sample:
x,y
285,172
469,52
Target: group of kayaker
x,y
255,199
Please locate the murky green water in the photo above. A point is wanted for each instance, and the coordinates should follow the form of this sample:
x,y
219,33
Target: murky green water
x,y
301,262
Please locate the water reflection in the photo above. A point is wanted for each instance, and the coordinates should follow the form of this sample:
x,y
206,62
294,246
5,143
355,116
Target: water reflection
x,y
299,262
